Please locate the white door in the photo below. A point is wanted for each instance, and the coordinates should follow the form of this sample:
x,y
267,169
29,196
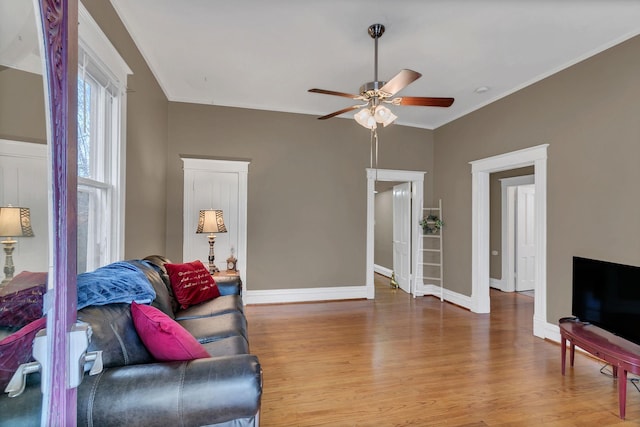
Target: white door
x,y
525,237
216,184
402,235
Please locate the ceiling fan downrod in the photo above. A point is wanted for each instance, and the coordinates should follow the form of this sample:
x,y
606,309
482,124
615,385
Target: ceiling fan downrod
x,y
375,31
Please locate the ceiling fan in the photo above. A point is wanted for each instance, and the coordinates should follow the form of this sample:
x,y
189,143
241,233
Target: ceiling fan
x,y
376,93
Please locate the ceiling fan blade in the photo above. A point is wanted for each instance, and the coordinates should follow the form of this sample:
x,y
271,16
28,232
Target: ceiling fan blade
x,y
423,101
332,92
401,80
337,113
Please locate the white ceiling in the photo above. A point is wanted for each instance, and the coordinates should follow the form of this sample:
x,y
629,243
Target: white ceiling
x,y
267,54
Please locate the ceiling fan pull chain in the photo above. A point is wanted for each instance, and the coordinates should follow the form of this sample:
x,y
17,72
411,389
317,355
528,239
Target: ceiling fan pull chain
x,y
374,137
375,133
371,154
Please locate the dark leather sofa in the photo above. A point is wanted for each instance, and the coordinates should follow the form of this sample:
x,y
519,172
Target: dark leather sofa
x,y
135,390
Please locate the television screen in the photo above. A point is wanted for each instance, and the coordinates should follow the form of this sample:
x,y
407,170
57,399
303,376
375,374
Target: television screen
x,y
607,295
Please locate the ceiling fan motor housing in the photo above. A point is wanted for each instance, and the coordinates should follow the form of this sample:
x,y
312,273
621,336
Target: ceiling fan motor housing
x,y
376,30
370,91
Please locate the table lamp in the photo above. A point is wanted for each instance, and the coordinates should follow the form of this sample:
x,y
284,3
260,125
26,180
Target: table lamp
x,y
211,221
14,222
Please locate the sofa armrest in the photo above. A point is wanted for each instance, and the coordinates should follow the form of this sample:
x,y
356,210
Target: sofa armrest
x,y
200,392
229,285
194,393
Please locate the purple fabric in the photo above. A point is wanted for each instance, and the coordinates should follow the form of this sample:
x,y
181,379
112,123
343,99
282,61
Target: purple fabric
x,y
16,350
21,299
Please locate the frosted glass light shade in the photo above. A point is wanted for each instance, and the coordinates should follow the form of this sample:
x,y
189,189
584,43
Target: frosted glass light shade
x,y
365,119
383,115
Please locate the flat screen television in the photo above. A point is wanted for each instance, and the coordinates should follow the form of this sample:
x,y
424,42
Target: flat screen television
x,y
607,295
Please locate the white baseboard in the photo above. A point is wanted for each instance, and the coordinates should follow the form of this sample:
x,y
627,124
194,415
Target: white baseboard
x,y
274,296
497,284
547,331
449,296
382,270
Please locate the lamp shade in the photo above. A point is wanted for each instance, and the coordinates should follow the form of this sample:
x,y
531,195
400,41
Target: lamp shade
x,y
15,222
211,221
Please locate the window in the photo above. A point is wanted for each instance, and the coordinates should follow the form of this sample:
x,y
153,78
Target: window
x,y
101,130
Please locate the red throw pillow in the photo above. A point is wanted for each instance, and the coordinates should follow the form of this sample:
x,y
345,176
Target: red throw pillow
x,y
165,339
191,283
16,349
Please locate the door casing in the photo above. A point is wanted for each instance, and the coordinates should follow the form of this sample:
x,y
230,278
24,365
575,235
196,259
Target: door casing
x,y
417,191
480,171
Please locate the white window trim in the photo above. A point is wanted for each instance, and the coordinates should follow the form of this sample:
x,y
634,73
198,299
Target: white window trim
x,y
93,41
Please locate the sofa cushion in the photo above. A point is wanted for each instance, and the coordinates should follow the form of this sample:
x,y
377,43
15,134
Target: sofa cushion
x,y
163,299
16,349
229,346
209,329
21,299
191,283
113,332
158,261
221,305
164,338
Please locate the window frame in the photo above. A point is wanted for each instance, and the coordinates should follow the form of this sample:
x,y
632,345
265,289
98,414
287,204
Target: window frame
x,y
94,43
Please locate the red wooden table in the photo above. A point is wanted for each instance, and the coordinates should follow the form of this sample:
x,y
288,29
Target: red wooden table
x,y
623,355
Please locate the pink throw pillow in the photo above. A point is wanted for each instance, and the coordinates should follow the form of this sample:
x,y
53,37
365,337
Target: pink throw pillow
x,y
165,339
191,283
16,349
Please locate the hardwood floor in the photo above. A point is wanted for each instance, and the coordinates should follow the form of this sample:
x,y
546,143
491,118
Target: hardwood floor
x,y
400,361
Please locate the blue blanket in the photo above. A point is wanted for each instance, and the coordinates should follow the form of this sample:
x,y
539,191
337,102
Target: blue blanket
x,y
117,282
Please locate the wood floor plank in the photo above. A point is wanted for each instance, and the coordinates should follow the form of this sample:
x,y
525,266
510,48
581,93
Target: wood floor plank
x,y
403,361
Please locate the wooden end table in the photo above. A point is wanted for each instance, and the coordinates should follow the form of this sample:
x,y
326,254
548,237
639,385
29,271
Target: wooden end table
x,y
623,355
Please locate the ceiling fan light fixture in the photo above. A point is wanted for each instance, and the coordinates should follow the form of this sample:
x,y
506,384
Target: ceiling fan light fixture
x,y
384,115
365,119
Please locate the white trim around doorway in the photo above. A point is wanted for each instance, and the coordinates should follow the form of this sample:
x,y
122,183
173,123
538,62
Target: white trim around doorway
x,y
417,192
480,281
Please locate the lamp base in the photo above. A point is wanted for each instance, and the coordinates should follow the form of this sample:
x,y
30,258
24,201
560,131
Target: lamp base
x,y
212,258
9,268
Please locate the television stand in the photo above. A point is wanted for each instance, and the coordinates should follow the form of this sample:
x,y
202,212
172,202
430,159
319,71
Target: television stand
x,y
623,355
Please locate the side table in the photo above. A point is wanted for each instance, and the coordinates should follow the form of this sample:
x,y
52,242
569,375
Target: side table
x,y
623,355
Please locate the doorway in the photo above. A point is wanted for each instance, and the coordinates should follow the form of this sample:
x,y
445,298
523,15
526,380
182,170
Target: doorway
x,y
416,180
401,240
509,190
480,170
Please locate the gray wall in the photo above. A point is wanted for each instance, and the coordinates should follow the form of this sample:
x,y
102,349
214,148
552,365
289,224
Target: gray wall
x,y
589,114
22,115
307,195
383,249
307,187
146,180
